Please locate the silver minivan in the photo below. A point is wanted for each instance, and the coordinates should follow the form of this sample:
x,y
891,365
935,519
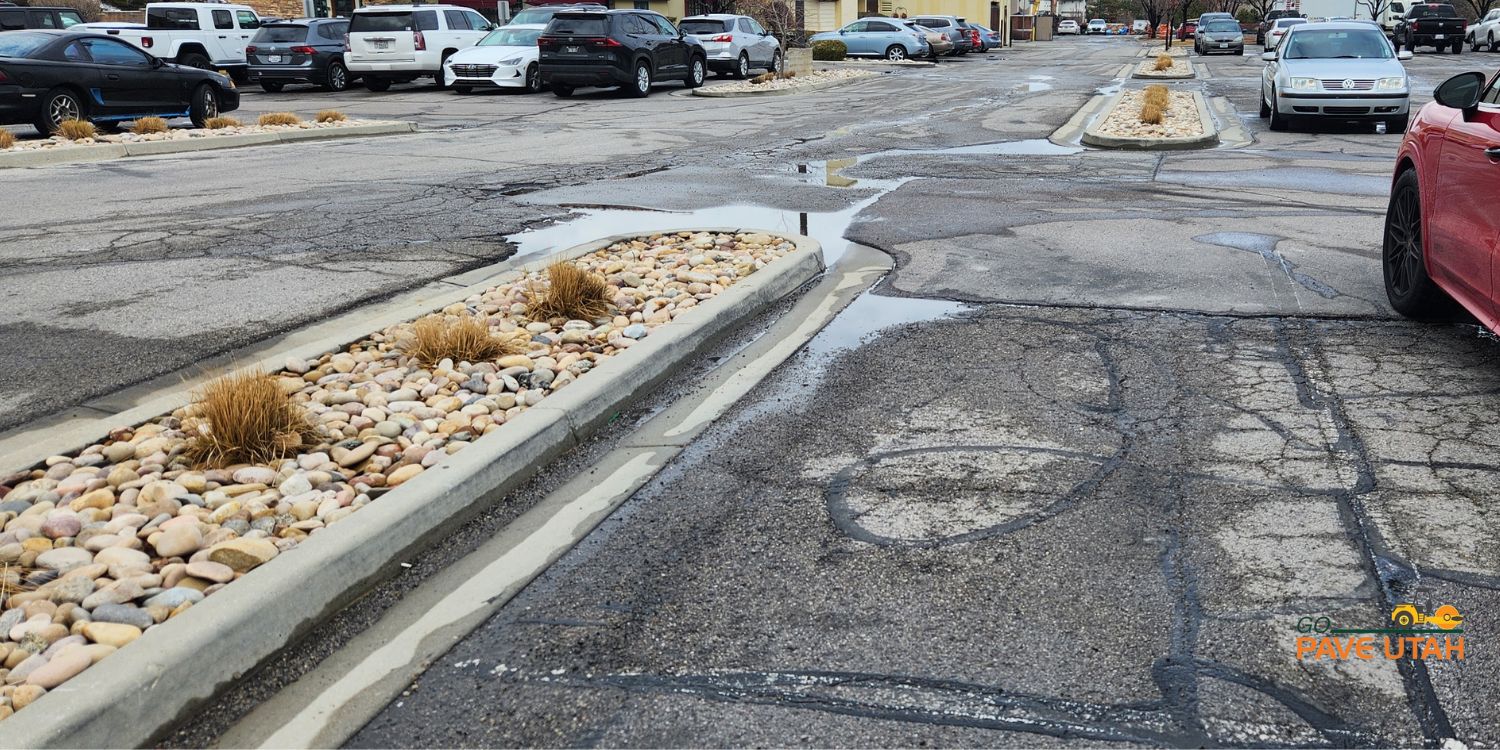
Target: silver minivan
x,y
735,44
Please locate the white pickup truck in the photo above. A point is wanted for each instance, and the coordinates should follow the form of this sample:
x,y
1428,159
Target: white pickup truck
x,y
201,35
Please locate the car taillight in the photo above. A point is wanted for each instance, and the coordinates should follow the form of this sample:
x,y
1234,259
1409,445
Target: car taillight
x,y
346,43
300,50
722,38
3,77
545,41
1416,25
250,50
146,42
606,42
419,42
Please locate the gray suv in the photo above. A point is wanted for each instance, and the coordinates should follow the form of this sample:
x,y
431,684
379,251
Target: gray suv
x,y
735,44
952,27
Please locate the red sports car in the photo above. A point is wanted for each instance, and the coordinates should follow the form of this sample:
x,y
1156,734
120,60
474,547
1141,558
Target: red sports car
x,y
1442,229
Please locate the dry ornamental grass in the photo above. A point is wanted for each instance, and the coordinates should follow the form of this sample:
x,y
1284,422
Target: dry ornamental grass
x,y
147,125
219,123
571,293
465,339
1152,113
279,118
76,130
331,115
245,417
7,139
1163,61
1156,101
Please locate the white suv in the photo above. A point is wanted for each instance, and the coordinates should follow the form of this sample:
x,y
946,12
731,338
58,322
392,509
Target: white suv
x,y
1486,32
398,43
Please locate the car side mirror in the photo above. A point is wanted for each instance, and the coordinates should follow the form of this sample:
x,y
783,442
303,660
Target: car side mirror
x,y
1268,56
1404,55
157,62
1461,92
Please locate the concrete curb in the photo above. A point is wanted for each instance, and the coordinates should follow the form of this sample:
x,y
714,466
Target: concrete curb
x,y
183,662
107,151
1209,137
1153,76
777,92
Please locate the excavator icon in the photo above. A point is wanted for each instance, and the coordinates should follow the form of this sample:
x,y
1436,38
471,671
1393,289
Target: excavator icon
x,y
1445,617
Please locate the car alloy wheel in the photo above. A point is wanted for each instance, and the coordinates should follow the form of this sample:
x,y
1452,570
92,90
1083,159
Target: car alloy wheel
x,y
895,53
642,79
208,101
743,69
61,107
533,78
338,77
1407,285
776,62
696,73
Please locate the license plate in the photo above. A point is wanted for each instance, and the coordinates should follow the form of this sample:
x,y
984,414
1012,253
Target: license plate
x,y
1223,46
572,50
273,58
1439,36
381,43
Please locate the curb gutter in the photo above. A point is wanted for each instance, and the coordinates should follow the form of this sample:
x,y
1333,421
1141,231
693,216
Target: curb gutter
x,y
150,687
107,151
1209,136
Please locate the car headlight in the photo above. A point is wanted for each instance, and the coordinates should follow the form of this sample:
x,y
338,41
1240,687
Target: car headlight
x,y
1394,83
1304,83
512,61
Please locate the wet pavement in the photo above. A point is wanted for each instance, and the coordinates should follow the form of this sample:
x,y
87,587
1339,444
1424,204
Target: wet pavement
x,y
1070,474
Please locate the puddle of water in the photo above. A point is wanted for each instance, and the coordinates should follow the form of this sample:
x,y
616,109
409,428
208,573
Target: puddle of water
x,y
871,313
1289,178
1264,245
1032,147
1034,87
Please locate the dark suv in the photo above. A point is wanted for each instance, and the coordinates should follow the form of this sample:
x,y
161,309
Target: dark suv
x,y
630,49
16,18
303,51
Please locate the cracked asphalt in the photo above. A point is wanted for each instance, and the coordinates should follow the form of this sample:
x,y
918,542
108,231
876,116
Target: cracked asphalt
x,y
1069,475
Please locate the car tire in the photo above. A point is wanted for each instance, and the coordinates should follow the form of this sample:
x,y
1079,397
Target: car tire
x,y
742,67
337,77
1494,46
204,105
1473,43
195,60
439,79
640,82
562,92
895,53
1279,122
1402,261
697,71
1458,46
377,84
59,105
777,63
272,87
1398,123
1265,109
533,79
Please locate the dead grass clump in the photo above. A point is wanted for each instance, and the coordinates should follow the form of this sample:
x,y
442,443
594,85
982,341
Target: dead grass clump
x,y
1163,61
466,339
219,123
763,78
1159,95
244,417
1151,113
279,118
331,115
76,130
148,125
7,139
571,293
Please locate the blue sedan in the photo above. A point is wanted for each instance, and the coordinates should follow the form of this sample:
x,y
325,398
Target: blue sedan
x,y
877,37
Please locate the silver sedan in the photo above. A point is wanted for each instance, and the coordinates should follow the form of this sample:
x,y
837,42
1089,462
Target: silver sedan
x,y
1345,70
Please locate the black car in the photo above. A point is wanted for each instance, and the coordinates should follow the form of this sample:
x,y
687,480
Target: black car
x,y
47,77
302,51
17,19
1437,24
541,14
626,48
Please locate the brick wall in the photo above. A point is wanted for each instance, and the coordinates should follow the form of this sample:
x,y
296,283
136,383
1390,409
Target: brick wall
x,y
278,8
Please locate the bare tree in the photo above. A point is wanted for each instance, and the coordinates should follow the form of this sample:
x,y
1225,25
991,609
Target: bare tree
x,y
1263,7
1231,7
1480,7
1154,11
1376,7
780,17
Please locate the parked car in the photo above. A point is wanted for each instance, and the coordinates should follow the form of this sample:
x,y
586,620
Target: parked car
x,y
631,49
1220,35
990,39
309,50
36,17
1435,24
400,43
1140,26
1187,29
1440,227
971,32
1067,26
1098,26
1486,32
734,44
938,43
51,76
541,14
881,37
1270,19
505,58
1345,70
212,36
1278,29
949,25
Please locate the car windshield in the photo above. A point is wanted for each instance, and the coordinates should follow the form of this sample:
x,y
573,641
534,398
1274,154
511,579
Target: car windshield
x,y
508,37
1099,21
701,26
21,44
281,33
592,25
1337,44
533,15
1227,27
